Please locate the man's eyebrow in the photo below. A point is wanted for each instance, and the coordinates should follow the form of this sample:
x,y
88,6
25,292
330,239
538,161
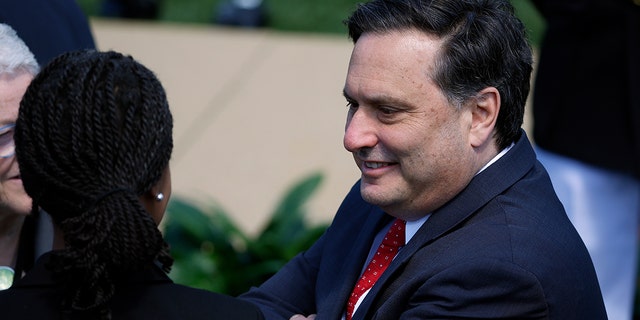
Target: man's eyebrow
x,y
377,99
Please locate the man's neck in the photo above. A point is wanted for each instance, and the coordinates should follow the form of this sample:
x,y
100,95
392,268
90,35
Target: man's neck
x,y
496,157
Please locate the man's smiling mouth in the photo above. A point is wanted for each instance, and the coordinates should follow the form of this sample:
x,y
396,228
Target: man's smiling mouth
x,y
376,165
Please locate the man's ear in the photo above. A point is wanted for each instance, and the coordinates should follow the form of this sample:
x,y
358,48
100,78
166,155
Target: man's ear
x,y
484,114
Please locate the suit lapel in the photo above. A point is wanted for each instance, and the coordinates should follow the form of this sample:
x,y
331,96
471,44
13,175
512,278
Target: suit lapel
x,y
351,267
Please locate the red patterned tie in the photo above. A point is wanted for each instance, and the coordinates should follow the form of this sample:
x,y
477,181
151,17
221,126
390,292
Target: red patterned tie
x,y
392,241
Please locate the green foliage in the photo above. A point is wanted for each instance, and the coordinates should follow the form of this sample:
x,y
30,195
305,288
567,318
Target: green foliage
x,y
532,19
320,16
211,252
189,11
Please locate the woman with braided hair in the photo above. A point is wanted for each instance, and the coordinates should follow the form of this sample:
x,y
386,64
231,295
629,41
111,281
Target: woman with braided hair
x,y
94,139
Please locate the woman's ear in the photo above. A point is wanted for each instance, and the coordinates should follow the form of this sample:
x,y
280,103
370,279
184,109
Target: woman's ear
x,y
484,113
156,199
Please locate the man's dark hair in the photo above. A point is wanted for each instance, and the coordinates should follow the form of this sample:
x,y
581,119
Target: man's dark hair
x,y
485,45
94,133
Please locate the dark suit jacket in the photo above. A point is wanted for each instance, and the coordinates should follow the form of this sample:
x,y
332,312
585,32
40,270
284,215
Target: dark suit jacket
x,y
586,98
147,295
49,28
501,249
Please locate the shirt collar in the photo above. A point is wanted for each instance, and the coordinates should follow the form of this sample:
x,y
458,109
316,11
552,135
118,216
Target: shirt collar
x,y
498,156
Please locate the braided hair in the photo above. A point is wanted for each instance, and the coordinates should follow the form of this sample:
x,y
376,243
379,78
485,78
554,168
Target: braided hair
x,y
94,133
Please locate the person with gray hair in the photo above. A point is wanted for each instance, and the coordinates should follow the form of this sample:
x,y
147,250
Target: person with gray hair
x,y
453,217
18,67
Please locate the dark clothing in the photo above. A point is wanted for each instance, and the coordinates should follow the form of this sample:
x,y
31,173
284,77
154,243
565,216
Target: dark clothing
x,y
503,248
147,295
586,98
49,28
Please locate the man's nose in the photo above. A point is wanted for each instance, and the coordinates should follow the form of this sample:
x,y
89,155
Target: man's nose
x,y
360,131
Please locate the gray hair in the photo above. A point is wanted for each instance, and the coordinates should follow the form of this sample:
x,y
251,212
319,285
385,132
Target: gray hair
x,y
15,56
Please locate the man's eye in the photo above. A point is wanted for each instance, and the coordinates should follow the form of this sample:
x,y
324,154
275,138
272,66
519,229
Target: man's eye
x,y
387,110
6,135
7,130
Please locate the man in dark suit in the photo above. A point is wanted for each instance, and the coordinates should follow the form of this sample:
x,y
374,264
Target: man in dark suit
x,y
436,91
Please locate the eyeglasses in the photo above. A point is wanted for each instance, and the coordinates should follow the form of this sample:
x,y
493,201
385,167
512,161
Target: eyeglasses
x,y
7,147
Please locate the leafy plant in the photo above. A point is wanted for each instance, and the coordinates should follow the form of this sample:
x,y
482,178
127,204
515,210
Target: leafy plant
x,y
211,252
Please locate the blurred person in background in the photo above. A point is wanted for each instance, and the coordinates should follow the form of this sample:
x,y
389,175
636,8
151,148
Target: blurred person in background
x,y
586,109
49,28
131,9
18,66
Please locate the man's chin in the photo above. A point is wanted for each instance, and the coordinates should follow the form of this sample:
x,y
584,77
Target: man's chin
x,y
373,194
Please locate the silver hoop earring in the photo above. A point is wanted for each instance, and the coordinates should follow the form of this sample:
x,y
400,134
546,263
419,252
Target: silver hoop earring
x,y
159,196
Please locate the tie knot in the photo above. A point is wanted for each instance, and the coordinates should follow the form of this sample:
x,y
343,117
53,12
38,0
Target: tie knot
x,y
395,236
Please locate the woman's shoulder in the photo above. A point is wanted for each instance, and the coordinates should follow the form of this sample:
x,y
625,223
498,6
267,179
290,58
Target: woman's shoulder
x,y
168,300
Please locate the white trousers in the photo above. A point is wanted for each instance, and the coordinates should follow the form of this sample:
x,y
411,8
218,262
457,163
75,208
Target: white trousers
x,y
604,206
